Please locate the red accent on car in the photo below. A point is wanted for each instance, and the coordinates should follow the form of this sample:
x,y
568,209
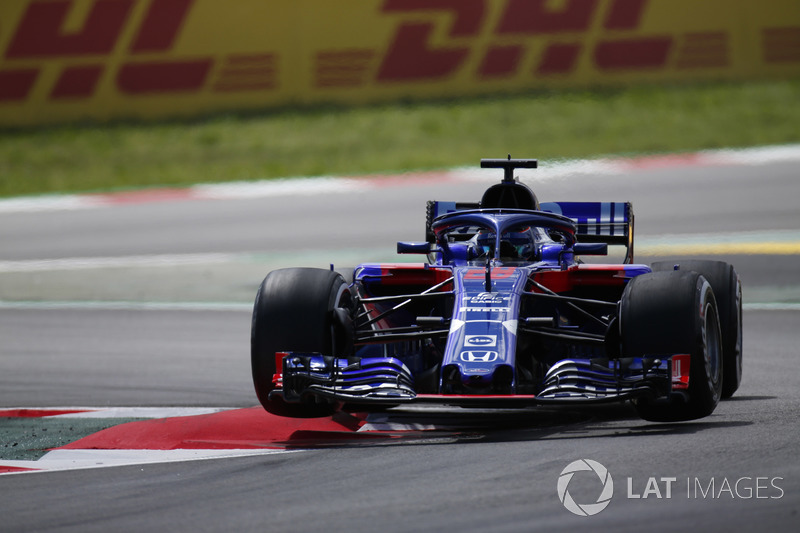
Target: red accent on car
x,y
681,364
412,274
277,378
497,273
582,276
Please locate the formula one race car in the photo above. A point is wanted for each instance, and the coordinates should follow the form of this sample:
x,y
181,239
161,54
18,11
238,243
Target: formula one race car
x,y
503,313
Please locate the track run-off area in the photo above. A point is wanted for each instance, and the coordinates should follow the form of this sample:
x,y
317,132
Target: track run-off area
x,y
124,343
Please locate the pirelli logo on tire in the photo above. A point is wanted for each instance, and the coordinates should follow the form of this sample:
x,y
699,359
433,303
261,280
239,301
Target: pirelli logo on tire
x,y
67,60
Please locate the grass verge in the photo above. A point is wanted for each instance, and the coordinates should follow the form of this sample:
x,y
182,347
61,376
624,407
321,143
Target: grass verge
x,y
398,137
28,439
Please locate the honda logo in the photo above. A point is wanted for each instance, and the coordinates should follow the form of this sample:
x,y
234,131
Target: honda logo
x,y
479,356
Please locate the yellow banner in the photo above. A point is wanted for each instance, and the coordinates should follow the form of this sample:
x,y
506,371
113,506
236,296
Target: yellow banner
x,y
73,60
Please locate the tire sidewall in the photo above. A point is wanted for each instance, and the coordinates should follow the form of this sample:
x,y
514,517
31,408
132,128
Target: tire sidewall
x,y
675,312
727,289
292,312
705,380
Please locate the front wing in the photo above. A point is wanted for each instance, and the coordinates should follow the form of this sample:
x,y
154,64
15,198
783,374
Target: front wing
x,y
387,381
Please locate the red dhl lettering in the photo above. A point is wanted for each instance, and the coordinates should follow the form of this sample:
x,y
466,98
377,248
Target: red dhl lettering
x,y
559,58
161,25
411,58
168,76
15,84
534,17
625,14
343,68
526,38
632,53
501,60
40,34
77,82
247,72
469,14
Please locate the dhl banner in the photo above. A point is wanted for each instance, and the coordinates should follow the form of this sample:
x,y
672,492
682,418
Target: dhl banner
x,y
76,60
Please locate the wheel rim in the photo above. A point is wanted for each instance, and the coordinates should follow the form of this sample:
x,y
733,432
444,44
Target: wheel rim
x,y
713,346
343,297
739,328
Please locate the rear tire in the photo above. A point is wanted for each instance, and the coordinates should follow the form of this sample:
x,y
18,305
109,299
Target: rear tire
x,y
728,293
295,310
674,312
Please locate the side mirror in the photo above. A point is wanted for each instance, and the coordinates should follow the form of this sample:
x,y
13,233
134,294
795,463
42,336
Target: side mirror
x,y
590,248
413,247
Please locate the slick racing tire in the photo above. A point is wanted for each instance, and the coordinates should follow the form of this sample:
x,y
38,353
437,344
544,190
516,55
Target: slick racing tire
x,y
674,312
728,293
301,310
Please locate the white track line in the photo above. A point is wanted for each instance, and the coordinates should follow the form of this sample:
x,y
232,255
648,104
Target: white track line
x,y
82,263
116,305
343,185
121,412
82,459
59,460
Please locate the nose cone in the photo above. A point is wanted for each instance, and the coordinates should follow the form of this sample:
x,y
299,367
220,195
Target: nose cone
x,y
478,379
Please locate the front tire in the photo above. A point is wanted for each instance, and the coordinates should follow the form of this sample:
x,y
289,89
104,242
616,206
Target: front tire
x,y
297,309
675,312
728,293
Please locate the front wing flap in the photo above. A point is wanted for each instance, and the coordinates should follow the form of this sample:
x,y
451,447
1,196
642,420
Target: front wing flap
x,y
371,380
607,379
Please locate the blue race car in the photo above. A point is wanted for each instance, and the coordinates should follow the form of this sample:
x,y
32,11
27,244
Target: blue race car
x,y
502,313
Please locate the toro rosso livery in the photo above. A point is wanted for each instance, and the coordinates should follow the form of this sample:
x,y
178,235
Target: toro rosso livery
x,y
503,312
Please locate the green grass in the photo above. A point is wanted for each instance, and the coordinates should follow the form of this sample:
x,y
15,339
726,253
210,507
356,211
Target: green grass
x,y
399,137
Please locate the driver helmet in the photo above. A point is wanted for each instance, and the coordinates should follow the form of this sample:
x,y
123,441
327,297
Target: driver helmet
x,y
514,246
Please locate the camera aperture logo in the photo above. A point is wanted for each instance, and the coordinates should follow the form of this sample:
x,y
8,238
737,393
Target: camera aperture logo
x,y
606,492
590,479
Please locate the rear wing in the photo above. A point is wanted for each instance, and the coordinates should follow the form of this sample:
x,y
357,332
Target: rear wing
x,y
598,222
606,222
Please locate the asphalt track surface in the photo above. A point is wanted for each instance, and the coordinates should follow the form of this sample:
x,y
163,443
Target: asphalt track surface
x,y
175,333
